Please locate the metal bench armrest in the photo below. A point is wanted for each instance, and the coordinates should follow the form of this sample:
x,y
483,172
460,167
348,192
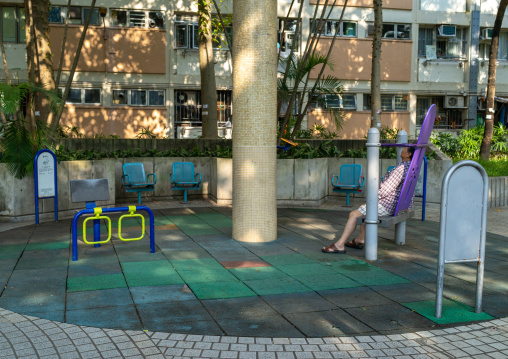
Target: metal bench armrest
x,y
154,178
126,180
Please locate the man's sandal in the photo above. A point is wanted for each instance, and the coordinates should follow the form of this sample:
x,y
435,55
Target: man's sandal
x,y
354,244
333,249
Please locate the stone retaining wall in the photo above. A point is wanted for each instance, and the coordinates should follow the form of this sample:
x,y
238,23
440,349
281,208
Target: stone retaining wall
x,y
300,182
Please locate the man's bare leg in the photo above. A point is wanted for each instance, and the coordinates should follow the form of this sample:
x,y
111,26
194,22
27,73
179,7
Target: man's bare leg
x,y
348,231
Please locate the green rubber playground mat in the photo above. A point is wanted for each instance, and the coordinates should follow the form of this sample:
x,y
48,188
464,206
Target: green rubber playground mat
x,y
328,281
277,286
81,284
221,290
129,222
207,275
12,248
161,221
287,259
216,220
142,274
193,226
376,277
49,245
328,257
306,269
175,255
309,210
193,264
351,266
452,311
256,273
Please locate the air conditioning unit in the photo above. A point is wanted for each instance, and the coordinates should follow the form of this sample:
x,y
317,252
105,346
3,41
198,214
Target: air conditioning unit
x,y
447,31
486,34
454,102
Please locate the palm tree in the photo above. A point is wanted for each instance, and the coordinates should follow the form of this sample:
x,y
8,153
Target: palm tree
x,y
293,87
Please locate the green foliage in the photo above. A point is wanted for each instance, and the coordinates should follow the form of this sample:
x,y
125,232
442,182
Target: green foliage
x,y
146,133
305,134
495,167
387,133
467,144
324,133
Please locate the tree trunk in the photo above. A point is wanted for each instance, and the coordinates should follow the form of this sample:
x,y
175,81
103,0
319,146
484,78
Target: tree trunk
x,y
64,41
44,57
58,115
375,82
30,56
491,84
207,70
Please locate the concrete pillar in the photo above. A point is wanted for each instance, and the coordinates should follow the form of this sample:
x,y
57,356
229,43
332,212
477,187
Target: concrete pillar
x,y
254,122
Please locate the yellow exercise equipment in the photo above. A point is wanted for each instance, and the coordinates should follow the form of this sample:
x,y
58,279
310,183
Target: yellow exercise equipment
x,y
131,214
97,211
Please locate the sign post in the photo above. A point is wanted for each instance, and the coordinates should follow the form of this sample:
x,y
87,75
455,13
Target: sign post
x,y
463,227
45,180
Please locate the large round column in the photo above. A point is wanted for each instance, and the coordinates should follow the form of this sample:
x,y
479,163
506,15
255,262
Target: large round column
x,y
254,122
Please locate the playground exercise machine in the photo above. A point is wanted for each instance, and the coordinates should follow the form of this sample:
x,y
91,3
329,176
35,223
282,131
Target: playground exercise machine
x,y
287,145
92,190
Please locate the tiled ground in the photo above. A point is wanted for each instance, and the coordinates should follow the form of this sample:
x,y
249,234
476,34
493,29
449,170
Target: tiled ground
x,y
200,281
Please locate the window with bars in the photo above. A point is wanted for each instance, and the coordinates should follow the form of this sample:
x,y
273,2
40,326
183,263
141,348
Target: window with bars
x,y
13,24
188,107
331,27
77,15
137,18
502,51
133,97
388,102
452,47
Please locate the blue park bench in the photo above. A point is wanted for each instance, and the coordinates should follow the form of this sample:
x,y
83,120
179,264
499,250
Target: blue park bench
x,y
134,179
350,180
183,178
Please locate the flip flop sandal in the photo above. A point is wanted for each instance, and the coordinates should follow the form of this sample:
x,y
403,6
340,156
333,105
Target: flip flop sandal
x,y
332,249
353,244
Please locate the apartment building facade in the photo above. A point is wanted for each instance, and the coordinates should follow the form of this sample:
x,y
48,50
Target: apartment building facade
x,y
139,66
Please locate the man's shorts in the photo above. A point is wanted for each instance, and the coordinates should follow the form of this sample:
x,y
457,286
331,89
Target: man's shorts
x,y
381,211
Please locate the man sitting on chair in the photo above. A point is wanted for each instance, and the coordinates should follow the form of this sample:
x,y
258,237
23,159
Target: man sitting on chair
x,y
388,196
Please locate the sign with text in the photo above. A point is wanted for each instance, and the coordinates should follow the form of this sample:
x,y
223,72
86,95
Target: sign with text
x,y
46,175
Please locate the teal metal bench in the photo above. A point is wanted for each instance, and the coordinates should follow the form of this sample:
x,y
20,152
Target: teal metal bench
x,y
183,178
134,179
349,181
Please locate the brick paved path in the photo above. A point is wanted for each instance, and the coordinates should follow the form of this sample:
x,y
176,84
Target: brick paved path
x,y
29,337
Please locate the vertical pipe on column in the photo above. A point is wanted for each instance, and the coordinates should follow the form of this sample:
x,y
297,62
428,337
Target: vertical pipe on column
x,y
372,194
255,122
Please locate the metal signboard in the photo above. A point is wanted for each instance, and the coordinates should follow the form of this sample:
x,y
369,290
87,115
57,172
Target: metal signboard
x,y
463,226
45,180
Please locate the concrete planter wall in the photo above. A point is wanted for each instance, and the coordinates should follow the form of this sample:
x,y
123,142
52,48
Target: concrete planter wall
x,y
299,182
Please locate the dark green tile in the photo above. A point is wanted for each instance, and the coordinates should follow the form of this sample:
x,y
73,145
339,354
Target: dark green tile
x,y
257,273
287,259
78,284
277,286
328,281
220,290
306,269
452,311
207,275
150,273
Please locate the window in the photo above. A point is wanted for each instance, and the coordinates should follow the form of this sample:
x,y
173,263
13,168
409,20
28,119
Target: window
x,y
83,96
502,51
349,102
139,97
345,28
13,24
397,31
187,33
77,15
137,18
188,107
388,102
425,37
291,39
451,47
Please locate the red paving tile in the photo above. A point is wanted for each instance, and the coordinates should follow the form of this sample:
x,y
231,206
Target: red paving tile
x,y
244,264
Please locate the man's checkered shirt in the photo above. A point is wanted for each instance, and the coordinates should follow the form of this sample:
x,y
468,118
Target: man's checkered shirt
x,y
391,186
